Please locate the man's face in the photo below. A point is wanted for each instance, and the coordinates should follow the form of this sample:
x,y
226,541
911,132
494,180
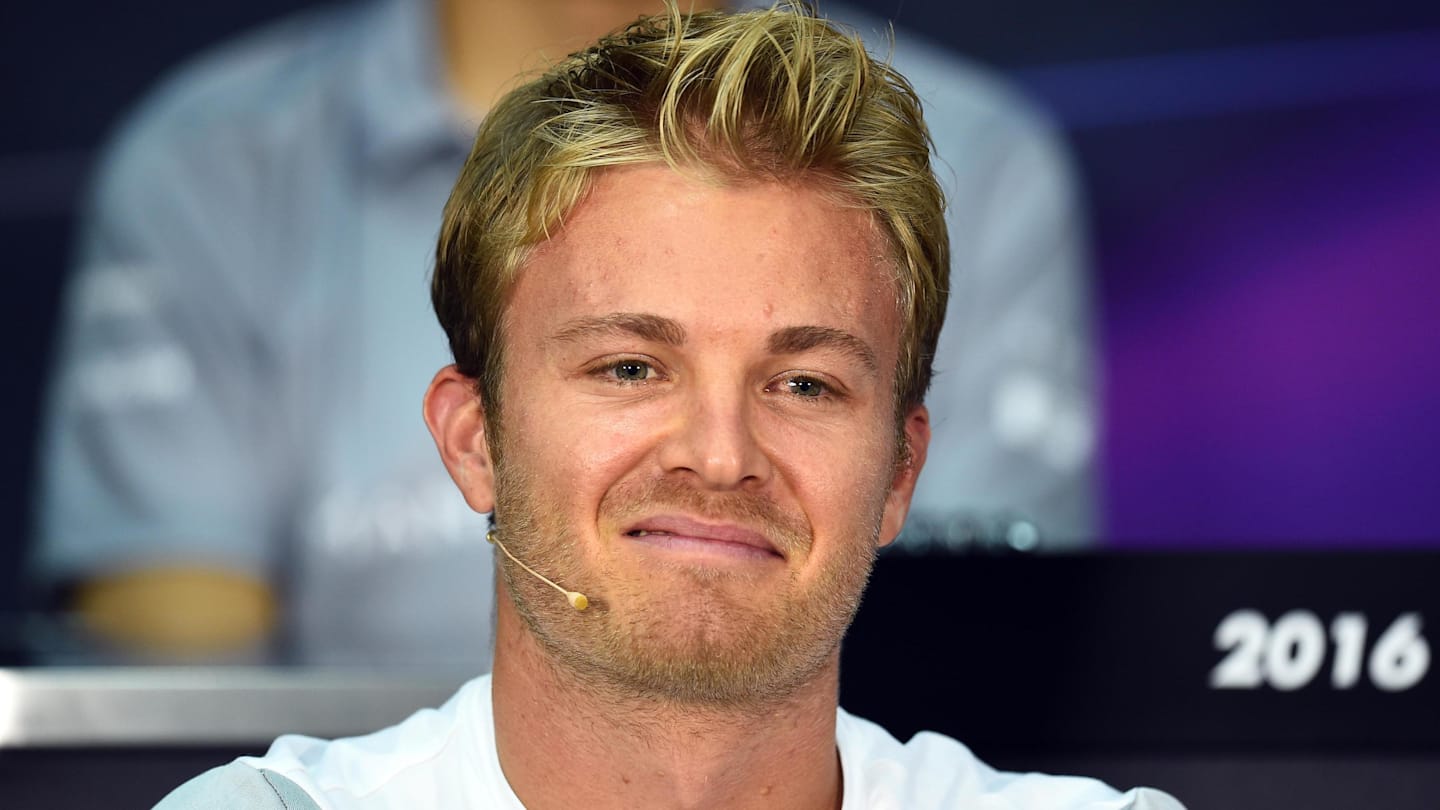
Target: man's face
x,y
697,430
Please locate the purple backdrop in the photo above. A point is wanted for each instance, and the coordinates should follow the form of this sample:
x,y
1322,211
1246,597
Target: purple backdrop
x,y
1272,335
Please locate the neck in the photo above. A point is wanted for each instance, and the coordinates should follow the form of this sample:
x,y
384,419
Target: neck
x,y
564,745
490,45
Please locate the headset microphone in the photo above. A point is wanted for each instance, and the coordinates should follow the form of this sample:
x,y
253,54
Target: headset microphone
x,y
576,599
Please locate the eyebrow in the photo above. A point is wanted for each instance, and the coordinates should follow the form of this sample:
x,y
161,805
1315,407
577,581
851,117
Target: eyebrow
x,y
796,339
643,325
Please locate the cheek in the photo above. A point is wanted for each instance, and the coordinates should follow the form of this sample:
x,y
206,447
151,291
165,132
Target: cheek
x,y
837,474
582,452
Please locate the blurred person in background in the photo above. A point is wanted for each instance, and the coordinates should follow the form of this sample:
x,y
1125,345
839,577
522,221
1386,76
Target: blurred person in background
x,y
233,463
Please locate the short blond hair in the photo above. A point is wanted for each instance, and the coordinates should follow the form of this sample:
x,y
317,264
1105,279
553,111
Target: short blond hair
x,y
775,94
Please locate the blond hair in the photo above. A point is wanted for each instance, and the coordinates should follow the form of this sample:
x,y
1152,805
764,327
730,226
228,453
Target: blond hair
x,y
773,94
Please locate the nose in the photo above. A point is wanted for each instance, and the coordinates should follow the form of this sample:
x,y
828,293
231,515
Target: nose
x,y
714,441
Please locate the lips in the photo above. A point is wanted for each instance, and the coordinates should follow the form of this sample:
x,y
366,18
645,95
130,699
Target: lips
x,y
689,530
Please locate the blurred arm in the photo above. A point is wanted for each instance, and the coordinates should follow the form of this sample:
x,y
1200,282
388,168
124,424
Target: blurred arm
x,y
177,611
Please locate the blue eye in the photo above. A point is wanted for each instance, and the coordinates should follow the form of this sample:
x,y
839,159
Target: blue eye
x,y
807,387
632,371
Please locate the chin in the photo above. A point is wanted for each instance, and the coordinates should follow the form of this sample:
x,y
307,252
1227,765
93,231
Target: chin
x,y
720,649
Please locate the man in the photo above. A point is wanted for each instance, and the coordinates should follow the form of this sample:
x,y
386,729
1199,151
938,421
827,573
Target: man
x,y
693,279
232,437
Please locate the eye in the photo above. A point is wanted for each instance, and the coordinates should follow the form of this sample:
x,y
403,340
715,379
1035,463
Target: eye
x,y
806,387
631,371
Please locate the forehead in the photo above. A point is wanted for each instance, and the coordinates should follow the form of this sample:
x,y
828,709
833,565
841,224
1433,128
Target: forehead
x,y
719,257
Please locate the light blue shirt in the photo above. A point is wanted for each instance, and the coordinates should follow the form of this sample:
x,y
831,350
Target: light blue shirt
x,y
248,336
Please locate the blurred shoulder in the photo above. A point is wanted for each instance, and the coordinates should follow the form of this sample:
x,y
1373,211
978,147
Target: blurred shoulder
x,y
238,786
243,90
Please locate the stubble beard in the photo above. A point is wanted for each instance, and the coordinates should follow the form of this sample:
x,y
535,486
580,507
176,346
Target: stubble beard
x,y
703,641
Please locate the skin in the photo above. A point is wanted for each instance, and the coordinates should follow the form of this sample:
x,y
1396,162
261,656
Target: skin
x,y
738,426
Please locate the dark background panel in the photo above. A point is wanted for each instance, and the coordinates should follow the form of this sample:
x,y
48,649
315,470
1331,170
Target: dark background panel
x,y
1012,35
1114,652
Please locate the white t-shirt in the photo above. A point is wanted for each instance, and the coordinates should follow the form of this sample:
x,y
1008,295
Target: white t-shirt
x,y
446,757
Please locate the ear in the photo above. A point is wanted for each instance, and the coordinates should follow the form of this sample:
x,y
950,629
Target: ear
x,y
902,486
456,418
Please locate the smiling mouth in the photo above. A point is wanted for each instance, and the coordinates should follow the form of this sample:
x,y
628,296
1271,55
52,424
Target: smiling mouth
x,y
699,541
